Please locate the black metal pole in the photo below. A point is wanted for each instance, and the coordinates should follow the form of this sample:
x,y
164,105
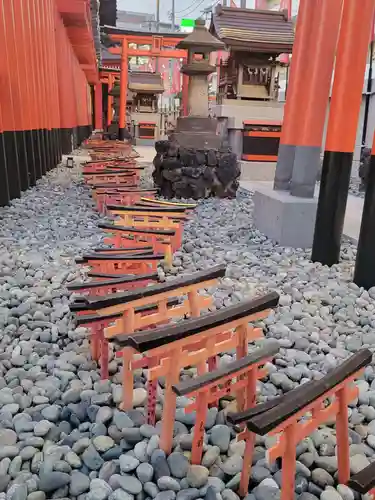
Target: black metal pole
x,y
364,271
368,98
286,81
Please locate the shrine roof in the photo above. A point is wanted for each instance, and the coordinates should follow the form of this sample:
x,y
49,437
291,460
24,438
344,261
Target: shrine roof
x,y
253,30
142,81
113,30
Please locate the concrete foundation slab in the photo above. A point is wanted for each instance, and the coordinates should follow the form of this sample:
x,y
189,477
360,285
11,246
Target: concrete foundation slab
x,y
144,142
285,219
257,170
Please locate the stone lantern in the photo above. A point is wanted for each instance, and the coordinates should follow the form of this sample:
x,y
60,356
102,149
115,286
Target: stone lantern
x,y
199,45
194,162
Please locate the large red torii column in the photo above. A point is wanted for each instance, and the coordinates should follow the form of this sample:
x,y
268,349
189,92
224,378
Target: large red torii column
x,y
352,50
123,89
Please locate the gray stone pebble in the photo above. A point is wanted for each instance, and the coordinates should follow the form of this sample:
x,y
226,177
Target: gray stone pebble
x,y
232,465
36,495
7,437
168,483
128,463
197,476
80,483
51,481
130,484
151,489
99,490
178,464
91,458
188,494
166,495
145,472
330,494
220,436
120,495
160,464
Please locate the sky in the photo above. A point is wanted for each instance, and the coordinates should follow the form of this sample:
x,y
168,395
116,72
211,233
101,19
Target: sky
x,y
183,8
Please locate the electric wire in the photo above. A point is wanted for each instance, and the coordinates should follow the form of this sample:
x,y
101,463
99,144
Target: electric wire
x,y
197,6
187,8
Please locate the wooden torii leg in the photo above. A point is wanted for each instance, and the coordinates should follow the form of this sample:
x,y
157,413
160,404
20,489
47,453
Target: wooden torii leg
x,y
152,386
289,462
172,378
342,433
127,380
248,436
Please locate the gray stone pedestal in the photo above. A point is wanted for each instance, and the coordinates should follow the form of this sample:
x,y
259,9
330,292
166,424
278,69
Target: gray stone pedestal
x,y
285,219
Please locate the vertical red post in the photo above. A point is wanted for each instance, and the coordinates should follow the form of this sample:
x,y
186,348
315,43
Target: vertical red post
x,y
4,191
342,433
298,76
46,82
98,106
8,118
14,51
29,11
73,93
21,18
39,71
123,89
346,99
55,90
25,159
110,99
289,463
314,100
48,43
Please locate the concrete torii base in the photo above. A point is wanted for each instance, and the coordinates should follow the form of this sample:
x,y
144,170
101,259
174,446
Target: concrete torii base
x,y
285,219
257,170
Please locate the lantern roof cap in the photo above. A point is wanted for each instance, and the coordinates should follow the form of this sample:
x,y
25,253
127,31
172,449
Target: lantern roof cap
x,y
201,39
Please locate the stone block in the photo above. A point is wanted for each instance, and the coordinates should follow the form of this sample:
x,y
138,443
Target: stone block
x,y
258,170
196,124
144,142
285,219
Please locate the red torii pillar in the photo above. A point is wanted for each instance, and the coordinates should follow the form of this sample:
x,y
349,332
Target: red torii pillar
x,y
298,74
346,99
109,99
98,106
123,89
314,100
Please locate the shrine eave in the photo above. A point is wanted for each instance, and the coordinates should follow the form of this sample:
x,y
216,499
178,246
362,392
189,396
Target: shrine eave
x,y
253,30
113,30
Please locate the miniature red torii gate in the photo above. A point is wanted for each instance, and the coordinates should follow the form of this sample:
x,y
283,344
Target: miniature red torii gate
x,y
109,75
160,46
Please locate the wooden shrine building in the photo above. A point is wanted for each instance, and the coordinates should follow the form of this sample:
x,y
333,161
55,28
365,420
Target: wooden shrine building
x,y
248,82
143,118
